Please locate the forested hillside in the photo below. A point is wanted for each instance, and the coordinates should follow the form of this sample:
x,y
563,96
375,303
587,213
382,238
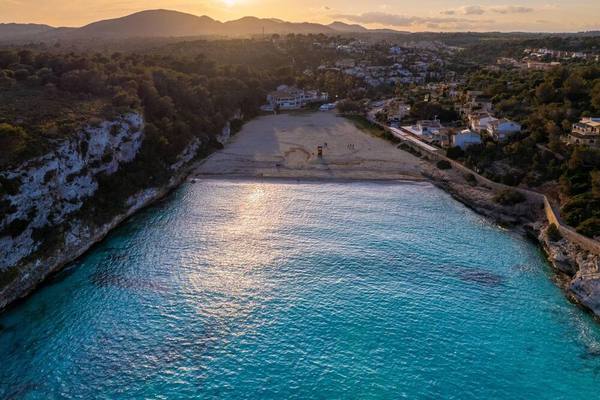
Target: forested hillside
x,y
547,103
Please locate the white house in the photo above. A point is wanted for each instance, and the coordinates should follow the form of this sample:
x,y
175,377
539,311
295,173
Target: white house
x,y
466,138
292,98
481,121
425,128
502,129
586,132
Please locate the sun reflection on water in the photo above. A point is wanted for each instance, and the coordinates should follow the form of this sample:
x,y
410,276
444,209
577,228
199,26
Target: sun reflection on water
x,y
235,275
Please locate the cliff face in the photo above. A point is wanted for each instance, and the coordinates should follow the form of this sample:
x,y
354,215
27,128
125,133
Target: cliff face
x,y
45,191
579,268
40,227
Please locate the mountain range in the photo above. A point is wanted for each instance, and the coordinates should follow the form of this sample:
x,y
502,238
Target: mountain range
x,y
168,23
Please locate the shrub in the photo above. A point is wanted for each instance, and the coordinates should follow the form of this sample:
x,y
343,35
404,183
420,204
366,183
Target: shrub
x,y
509,197
455,153
470,178
444,164
590,227
13,141
236,125
553,233
348,106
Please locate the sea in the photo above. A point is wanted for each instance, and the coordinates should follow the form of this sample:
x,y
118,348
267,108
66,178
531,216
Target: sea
x,y
264,289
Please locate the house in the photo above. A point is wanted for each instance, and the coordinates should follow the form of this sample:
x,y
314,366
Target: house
x,y
586,132
425,128
465,138
475,102
398,113
480,121
502,129
292,98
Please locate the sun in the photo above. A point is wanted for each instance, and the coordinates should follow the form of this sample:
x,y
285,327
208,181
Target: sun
x,y
229,3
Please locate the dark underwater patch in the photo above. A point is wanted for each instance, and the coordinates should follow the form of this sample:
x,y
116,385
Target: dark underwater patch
x,y
481,277
107,279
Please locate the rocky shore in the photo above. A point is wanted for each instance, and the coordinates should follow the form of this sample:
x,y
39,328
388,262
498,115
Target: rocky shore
x,y
55,186
577,270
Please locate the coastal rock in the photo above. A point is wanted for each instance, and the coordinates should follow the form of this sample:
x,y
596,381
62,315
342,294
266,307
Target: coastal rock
x,y
586,291
46,190
44,195
580,269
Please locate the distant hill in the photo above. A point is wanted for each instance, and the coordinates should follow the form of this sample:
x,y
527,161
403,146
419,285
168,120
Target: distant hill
x,y
151,23
167,23
343,27
170,24
15,30
254,26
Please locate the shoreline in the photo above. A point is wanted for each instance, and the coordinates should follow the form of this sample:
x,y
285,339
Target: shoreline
x,y
15,294
525,219
306,179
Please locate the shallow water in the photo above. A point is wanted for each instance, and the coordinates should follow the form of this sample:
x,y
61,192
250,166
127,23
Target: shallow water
x,y
243,289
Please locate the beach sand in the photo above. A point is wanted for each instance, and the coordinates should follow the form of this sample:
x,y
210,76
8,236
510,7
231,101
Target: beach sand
x,y
285,146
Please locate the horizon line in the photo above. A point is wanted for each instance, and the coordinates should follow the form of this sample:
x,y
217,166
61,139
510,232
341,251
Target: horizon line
x,y
371,30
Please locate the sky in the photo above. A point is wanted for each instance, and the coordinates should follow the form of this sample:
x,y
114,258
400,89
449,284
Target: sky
x,y
407,15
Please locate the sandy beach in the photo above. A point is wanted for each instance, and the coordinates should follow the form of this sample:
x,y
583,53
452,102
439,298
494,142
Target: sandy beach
x,y
285,146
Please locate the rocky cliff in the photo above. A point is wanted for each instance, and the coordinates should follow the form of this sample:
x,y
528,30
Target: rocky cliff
x,y
41,224
578,269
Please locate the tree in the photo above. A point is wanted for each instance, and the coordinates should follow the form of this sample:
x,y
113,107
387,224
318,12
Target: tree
x,y
13,141
595,96
545,93
574,87
595,176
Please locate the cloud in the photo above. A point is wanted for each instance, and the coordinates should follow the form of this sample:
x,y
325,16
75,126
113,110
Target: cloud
x,y
473,10
480,10
400,20
512,9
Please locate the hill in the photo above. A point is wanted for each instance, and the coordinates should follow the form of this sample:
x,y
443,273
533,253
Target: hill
x,y
343,27
171,24
15,30
152,23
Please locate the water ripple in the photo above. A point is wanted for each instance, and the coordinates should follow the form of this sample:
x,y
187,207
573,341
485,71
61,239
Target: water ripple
x,y
244,289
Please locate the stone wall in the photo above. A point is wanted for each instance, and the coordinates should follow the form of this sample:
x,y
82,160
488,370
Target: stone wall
x,y
568,232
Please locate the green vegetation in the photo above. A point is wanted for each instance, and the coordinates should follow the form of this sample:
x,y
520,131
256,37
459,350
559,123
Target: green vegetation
x,y
373,129
471,180
546,103
509,197
443,164
13,142
553,233
186,91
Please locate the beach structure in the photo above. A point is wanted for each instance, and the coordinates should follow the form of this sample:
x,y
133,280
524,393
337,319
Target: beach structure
x,y
293,98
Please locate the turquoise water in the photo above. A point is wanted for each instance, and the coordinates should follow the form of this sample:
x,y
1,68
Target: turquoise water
x,y
236,289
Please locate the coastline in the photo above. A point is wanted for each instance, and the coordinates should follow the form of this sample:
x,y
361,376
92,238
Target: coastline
x,y
567,259
35,273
